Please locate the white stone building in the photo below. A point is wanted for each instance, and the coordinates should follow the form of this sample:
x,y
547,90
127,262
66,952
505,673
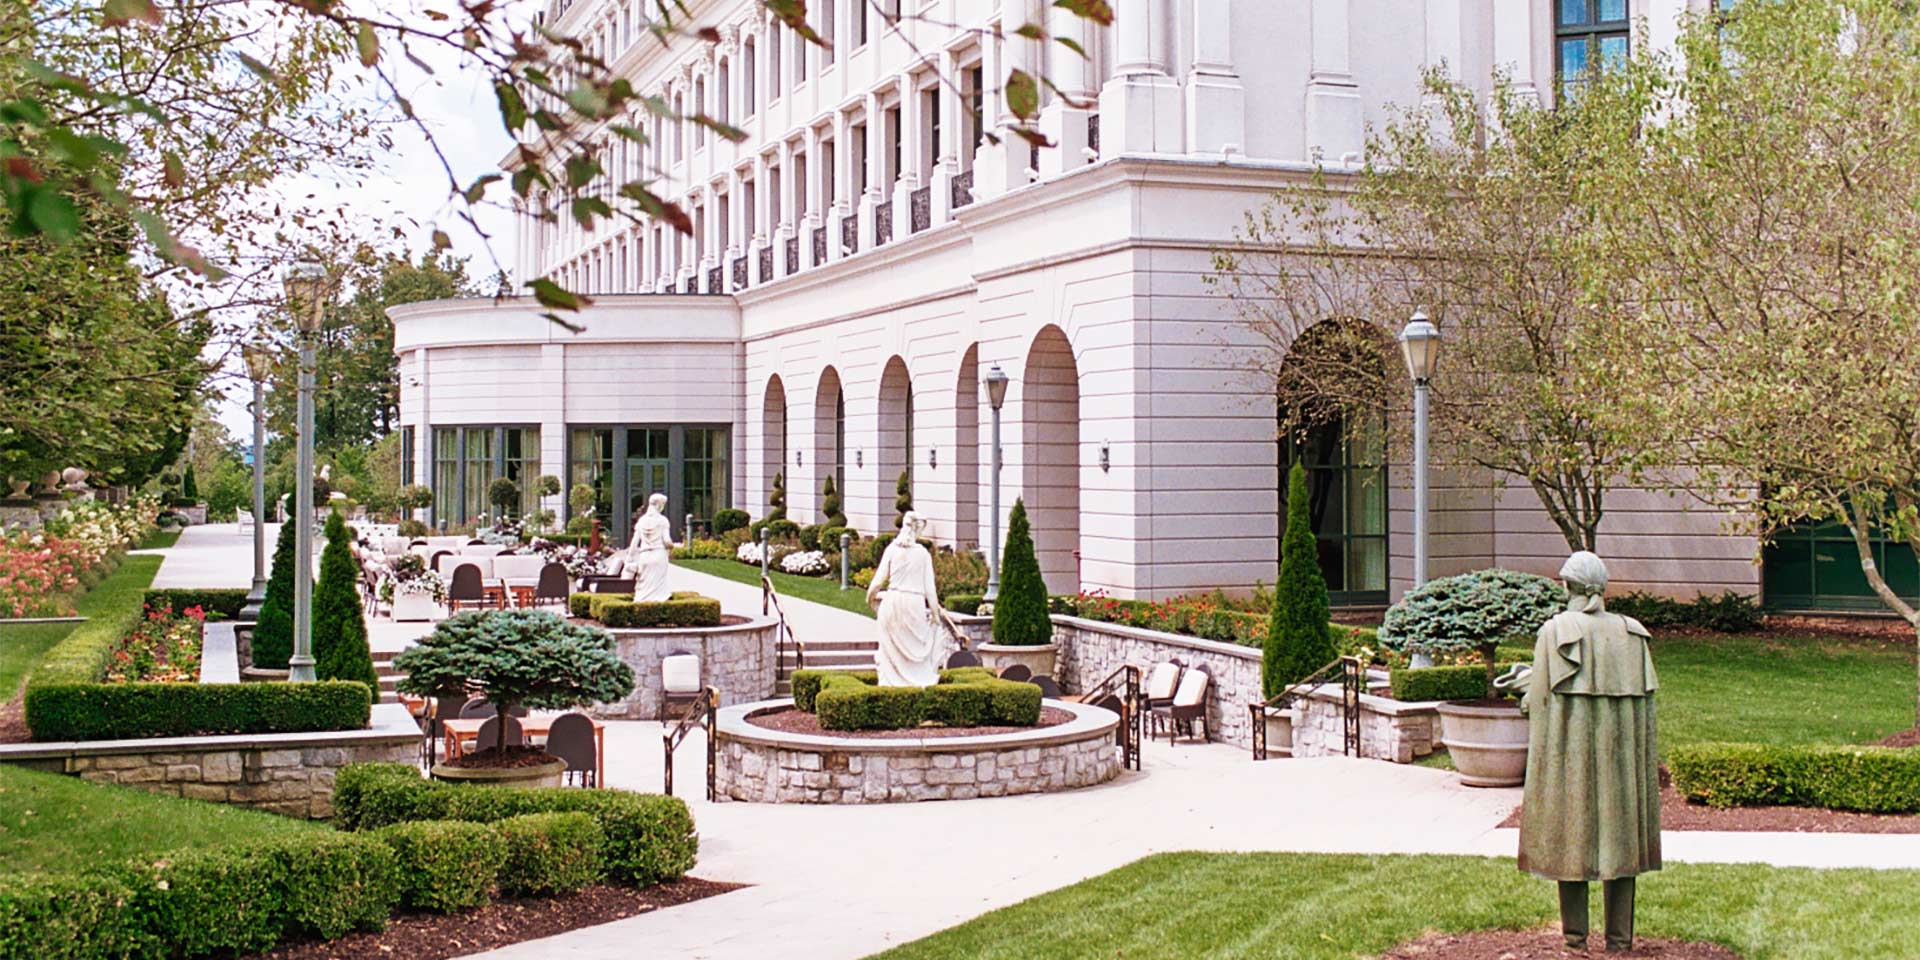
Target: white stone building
x,y
864,257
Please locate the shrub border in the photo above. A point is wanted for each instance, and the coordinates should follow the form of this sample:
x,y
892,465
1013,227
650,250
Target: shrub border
x,y
684,609
1833,776
967,696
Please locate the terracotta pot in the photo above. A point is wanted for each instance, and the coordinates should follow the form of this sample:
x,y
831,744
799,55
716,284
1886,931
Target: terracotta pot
x,y
1038,659
545,775
1487,741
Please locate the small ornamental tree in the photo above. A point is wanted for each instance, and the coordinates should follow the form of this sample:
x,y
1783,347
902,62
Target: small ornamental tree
x,y
1299,637
777,498
340,649
273,634
1472,612
504,495
1020,611
547,485
830,504
189,487
519,657
902,498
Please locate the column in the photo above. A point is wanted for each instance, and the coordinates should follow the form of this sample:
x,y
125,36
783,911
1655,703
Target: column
x,y
784,217
1513,44
946,153
908,176
1334,129
842,174
816,195
876,168
761,233
1002,166
422,431
1064,120
1216,102
1140,108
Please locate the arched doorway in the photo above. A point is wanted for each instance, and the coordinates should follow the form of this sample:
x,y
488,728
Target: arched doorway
x,y
966,450
893,448
1342,444
829,440
773,434
1050,456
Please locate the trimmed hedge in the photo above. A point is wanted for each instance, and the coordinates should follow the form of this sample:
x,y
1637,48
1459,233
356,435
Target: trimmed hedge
x,y
62,917
1439,683
1729,612
548,853
1836,777
683,610
967,603
450,865
649,838
128,711
226,602
964,697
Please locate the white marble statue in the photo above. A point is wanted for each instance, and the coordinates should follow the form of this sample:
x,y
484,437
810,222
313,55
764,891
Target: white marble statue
x,y
650,552
914,643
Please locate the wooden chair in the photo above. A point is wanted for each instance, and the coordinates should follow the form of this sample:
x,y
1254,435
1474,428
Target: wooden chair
x,y
680,682
1189,704
571,739
467,591
1018,673
962,658
1161,684
489,736
1049,690
552,588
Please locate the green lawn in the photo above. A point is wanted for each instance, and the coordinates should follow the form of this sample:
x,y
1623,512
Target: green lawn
x,y
1326,907
817,589
22,645
159,540
53,822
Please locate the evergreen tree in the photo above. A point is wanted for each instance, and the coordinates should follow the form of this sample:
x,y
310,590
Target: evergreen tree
x,y
777,499
273,635
1020,612
830,504
1299,638
903,498
340,649
188,487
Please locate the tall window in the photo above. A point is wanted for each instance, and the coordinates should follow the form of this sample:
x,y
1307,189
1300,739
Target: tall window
x,y
827,195
699,106
859,22
1347,494
932,112
467,459
774,41
724,104
976,119
826,31
690,465
753,211
1588,35
800,185
704,473
477,471
748,92
777,213
679,127
406,457
860,153
892,173
800,45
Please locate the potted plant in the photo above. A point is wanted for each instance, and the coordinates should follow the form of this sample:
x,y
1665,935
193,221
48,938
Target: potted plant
x,y
1022,628
517,657
1473,613
414,592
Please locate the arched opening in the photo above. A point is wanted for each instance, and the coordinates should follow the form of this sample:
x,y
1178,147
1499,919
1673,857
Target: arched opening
x,y
966,450
1330,417
893,451
773,435
829,437
1050,457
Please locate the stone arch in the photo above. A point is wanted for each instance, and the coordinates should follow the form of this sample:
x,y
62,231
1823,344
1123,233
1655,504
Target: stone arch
x,y
1050,456
773,435
966,450
1330,416
829,440
893,439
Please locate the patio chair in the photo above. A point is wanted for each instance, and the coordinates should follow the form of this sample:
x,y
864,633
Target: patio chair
x,y
244,520
1189,704
552,588
962,658
489,736
1019,673
1113,702
571,739
433,562
479,707
680,682
1162,683
466,591
1048,689
476,542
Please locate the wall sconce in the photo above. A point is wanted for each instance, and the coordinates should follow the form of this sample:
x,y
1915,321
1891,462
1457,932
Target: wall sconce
x,y
797,461
933,457
1106,457
858,459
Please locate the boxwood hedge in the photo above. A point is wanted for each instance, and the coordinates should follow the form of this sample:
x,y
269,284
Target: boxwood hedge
x,y
549,853
616,610
126,711
450,865
964,697
1837,777
225,602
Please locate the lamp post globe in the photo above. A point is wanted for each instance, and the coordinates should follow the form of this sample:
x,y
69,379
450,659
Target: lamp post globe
x,y
996,384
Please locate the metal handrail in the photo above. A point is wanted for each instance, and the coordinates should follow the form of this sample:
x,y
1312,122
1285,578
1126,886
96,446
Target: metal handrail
x,y
1133,714
704,713
784,631
1352,678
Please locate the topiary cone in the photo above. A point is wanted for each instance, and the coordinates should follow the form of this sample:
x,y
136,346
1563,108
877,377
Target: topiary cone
x,y
340,649
1299,640
1020,612
273,633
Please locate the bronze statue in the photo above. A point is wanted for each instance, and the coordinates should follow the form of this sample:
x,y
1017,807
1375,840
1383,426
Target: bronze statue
x,y
1593,772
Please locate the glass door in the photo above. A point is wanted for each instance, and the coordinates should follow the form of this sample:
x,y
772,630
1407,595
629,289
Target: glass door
x,y
649,471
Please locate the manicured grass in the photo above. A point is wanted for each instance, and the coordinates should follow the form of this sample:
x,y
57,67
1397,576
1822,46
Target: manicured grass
x,y
159,540
817,589
51,822
1784,691
1340,907
23,645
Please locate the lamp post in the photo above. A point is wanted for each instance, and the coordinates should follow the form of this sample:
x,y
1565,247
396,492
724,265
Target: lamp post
x,y
306,289
996,381
259,361
1420,347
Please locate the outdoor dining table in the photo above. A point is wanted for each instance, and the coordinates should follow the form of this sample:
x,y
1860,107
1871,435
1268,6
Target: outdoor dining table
x,y
462,731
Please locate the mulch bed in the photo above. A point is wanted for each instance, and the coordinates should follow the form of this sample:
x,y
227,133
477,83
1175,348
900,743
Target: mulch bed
x,y
799,721
435,936
1677,814
493,758
1545,944
13,722
1905,738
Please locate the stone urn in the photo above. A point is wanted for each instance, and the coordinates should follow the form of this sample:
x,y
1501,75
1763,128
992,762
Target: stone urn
x,y
1280,731
1035,657
1487,740
548,774
20,488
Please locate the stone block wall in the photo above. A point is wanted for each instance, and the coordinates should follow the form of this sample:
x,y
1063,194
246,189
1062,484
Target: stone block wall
x,y
771,774
740,660
1389,729
297,782
1090,650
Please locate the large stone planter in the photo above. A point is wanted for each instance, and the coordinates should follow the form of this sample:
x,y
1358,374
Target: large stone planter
x,y
413,607
545,775
998,657
1488,742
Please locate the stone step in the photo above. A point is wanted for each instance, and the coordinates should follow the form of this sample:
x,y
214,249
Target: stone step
x,y
867,645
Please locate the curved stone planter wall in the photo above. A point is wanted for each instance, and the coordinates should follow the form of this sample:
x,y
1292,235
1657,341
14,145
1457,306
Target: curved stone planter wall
x,y
737,659
767,766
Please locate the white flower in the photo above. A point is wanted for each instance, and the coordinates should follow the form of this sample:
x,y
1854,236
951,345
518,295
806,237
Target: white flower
x,y
806,563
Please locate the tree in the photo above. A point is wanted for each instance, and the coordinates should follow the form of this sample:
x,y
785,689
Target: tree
x,y
273,634
1772,236
340,650
1472,613
1299,633
188,487
504,495
902,498
830,503
777,499
1020,615
1477,210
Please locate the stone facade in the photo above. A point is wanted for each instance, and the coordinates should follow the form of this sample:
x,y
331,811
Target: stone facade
x,y
1389,729
763,766
738,659
290,773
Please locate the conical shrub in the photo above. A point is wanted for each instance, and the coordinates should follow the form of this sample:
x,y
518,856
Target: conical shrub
x,y
273,634
1299,638
777,498
340,649
830,504
902,498
1020,612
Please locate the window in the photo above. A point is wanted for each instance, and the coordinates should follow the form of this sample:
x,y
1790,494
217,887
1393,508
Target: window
x,y
1588,35
800,185
976,118
1811,566
859,22
726,214
774,40
406,457
799,57
467,459
724,107
892,172
1347,494
776,214
679,127
932,100
860,157
590,462
747,90
827,11
626,465
753,210
699,107
704,472
827,195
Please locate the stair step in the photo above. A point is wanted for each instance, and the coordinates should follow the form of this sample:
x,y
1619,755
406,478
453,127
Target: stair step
x,y
867,645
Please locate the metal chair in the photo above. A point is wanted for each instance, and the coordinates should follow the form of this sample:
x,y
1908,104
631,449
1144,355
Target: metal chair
x,y
489,736
611,585
1048,689
1113,702
479,707
1019,673
552,588
680,681
467,589
1162,683
571,739
1189,704
962,658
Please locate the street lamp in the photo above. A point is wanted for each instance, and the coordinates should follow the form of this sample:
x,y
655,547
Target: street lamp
x,y
306,286
259,361
1420,347
996,381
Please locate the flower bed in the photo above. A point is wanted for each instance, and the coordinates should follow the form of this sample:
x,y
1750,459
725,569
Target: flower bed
x,y
41,573
1212,616
164,647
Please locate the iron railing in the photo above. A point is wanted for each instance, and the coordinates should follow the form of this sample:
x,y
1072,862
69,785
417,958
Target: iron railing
x,y
920,209
739,273
883,223
1133,712
793,255
766,263
783,632
1353,679
1093,133
962,189
850,236
714,280
704,713
691,286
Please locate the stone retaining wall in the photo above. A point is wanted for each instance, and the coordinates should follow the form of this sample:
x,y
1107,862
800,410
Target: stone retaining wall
x,y
288,773
739,660
1091,649
1389,729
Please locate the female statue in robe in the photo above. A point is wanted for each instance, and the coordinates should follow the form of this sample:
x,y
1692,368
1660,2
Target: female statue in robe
x,y
651,552
913,641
